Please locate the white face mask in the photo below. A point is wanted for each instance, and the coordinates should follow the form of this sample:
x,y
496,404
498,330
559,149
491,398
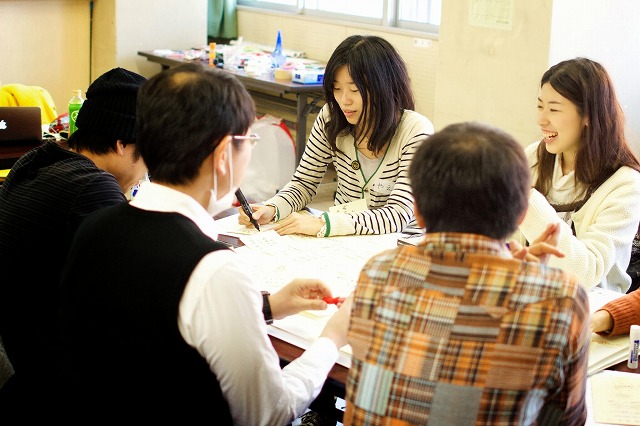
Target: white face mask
x,y
216,206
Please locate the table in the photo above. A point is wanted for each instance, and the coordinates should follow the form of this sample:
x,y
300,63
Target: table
x,y
11,152
267,89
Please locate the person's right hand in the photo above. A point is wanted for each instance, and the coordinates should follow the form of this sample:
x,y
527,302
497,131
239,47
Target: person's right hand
x,y
601,321
263,214
299,295
338,325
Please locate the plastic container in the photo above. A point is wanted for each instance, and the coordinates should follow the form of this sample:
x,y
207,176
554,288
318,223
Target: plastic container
x,y
278,58
74,106
634,344
282,74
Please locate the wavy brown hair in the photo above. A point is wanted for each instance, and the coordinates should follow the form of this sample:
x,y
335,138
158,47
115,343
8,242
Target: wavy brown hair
x,y
604,147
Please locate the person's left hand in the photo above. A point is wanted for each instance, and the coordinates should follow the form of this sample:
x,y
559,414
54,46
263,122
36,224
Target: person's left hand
x,y
601,321
298,223
299,295
540,249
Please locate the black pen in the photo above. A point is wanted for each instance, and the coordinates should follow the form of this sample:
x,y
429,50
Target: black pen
x,y
246,207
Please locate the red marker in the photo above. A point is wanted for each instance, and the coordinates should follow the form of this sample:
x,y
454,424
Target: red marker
x,y
333,300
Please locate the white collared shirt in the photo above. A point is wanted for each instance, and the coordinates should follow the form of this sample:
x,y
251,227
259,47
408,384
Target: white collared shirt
x,y
220,315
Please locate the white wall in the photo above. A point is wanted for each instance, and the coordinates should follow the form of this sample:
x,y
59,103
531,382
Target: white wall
x,y
123,27
489,74
607,32
45,43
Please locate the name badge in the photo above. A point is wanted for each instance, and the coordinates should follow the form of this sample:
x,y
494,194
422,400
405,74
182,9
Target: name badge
x,y
382,186
352,207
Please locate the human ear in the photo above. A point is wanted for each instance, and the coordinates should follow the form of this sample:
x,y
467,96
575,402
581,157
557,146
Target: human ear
x,y
120,146
221,155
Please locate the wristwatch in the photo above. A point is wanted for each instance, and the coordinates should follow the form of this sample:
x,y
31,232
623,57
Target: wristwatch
x,y
266,308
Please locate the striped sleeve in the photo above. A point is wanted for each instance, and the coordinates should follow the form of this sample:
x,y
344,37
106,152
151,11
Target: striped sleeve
x,y
308,175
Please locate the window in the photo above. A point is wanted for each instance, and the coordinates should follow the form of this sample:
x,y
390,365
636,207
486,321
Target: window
x,y
419,15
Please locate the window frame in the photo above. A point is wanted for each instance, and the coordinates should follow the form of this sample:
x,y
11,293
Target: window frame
x,y
389,20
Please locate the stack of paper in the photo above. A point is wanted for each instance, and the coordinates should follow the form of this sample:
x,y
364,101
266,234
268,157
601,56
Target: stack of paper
x,y
410,239
605,351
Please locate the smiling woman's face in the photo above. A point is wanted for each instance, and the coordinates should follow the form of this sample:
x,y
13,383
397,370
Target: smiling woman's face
x,y
559,121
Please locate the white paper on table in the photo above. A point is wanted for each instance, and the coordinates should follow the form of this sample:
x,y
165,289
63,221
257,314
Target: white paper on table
x,y
616,397
303,328
605,351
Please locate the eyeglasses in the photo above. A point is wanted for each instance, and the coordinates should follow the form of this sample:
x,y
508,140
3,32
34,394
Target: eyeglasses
x,y
253,138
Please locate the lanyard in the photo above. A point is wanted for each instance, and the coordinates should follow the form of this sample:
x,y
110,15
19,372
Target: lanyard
x,y
357,162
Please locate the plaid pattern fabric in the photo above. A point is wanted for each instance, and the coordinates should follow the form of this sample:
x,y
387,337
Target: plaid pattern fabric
x,y
455,332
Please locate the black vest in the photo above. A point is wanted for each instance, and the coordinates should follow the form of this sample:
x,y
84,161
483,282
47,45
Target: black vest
x,y
121,346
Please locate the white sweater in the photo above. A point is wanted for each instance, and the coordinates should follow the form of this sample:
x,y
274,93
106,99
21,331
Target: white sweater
x,y
387,192
605,226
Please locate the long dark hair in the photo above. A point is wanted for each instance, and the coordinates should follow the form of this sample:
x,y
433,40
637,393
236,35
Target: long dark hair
x,y
603,148
381,76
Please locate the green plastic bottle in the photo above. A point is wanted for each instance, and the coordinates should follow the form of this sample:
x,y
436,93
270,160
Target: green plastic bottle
x,y
74,106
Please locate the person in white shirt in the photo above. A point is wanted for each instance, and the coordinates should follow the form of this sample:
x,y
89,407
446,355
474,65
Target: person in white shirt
x,y
159,319
584,171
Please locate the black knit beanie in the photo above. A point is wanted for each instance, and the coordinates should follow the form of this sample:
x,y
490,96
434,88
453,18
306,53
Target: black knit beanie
x,y
110,107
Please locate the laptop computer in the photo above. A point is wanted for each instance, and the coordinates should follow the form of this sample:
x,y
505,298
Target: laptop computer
x,y
20,124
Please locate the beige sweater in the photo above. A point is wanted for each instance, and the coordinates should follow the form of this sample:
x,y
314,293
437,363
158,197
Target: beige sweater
x,y
605,226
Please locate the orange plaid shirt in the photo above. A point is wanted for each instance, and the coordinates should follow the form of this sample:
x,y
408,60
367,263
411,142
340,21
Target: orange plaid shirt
x,y
456,332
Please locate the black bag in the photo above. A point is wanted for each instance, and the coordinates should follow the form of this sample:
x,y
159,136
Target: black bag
x,y
634,264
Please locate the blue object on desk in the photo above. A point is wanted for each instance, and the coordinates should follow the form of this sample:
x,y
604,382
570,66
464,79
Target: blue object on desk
x,y
308,76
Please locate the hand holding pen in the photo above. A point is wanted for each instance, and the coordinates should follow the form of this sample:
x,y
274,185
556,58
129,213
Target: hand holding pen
x,y
301,294
338,301
262,214
246,208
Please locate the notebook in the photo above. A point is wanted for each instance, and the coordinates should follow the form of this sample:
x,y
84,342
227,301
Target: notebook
x,y
20,124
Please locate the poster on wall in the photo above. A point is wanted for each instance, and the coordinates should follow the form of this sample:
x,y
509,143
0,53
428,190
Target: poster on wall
x,y
496,14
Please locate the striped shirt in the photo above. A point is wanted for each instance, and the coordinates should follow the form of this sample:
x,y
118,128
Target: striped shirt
x,y
456,332
387,192
46,196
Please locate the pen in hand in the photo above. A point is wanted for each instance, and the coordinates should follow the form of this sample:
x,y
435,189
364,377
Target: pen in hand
x,y
246,207
333,300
